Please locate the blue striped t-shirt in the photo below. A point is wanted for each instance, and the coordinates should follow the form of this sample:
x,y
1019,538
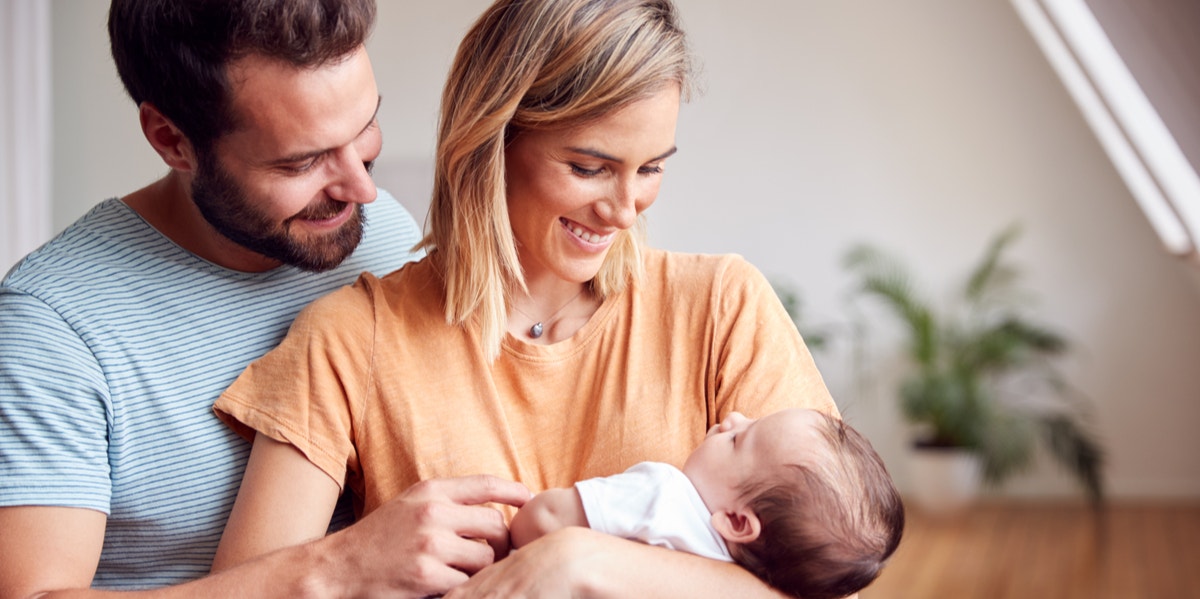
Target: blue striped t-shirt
x,y
114,344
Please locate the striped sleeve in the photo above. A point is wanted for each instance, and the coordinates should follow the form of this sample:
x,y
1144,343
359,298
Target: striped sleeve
x,y
54,409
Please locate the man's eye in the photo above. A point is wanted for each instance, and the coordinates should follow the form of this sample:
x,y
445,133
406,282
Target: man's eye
x,y
300,167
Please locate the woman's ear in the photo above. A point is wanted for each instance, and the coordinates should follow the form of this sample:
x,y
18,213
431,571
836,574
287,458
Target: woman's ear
x,y
739,525
166,139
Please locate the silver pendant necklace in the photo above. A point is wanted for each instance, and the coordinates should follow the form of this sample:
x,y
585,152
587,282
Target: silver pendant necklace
x,y
538,327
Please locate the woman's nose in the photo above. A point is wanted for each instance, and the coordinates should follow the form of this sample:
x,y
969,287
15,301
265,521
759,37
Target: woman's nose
x,y
620,210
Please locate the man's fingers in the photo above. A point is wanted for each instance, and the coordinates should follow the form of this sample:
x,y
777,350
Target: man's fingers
x,y
474,522
500,546
469,555
450,528
434,577
483,488
485,524
464,551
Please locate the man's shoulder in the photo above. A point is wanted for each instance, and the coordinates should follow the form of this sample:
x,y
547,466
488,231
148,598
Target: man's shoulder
x,y
387,213
98,236
389,237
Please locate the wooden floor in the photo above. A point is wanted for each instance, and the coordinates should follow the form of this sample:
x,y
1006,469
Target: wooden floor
x,y
1058,550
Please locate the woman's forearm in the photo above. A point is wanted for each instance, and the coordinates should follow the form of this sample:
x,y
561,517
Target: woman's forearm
x,y
636,569
580,562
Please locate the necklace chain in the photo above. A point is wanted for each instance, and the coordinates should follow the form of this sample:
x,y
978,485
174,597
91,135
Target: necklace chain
x,y
538,327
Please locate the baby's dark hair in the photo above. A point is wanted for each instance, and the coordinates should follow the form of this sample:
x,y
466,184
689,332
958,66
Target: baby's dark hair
x,y
827,528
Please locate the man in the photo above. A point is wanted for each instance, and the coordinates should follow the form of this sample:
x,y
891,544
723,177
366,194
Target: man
x,y
117,336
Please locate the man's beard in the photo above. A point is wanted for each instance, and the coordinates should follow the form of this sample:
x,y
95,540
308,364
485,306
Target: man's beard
x,y
224,204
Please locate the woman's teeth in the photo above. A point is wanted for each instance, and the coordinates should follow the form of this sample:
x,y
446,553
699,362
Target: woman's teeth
x,y
584,234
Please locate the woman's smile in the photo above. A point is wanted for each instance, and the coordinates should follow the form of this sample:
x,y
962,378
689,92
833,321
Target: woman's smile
x,y
591,240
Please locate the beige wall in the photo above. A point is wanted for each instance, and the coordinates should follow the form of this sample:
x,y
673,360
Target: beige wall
x,y
922,126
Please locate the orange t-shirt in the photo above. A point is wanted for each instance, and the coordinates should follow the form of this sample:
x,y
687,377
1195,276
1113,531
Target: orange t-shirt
x,y
377,390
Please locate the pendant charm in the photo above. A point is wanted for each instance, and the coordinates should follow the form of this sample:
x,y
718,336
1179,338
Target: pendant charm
x,y
535,331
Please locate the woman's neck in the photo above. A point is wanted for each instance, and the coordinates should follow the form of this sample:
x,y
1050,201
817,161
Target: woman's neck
x,y
551,311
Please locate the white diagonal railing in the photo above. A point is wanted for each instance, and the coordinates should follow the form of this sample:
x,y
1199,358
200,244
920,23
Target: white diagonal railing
x,y
1139,143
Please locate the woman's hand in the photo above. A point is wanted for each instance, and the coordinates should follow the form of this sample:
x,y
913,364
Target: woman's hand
x,y
560,564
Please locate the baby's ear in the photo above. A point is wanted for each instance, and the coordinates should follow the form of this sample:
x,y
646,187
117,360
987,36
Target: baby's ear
x,y
738,526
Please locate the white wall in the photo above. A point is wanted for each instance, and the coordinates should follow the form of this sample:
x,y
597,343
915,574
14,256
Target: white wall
x,y
24,128
922,126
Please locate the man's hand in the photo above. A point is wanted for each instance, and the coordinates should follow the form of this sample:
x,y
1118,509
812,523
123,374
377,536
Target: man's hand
x,y
430,538
422,542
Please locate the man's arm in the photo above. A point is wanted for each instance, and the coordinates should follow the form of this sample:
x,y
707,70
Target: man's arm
x,y
52,553
419,542
547,512
422,542
48,548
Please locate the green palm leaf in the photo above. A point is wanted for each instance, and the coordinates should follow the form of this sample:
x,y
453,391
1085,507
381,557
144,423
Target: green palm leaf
x,y
955,394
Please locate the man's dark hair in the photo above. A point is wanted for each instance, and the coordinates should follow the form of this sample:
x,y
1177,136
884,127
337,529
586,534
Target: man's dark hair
x,y
827,530
174,54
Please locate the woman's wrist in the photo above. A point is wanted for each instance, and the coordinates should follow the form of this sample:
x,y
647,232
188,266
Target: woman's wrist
x,y
602,565
596,563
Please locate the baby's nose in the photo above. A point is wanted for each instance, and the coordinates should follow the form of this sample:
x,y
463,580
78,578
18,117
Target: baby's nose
x,y
732,420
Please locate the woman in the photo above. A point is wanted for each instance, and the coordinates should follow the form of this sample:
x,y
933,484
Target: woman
x,y
539,341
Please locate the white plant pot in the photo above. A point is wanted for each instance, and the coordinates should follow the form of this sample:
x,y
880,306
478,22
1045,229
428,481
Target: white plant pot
x,y
943,481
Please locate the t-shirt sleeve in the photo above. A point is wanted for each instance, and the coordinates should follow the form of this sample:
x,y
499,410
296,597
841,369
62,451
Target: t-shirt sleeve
x,y
620,504
307,391
761,363
55,411
653,503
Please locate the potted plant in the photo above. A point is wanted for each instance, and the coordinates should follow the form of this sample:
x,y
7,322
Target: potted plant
x,y
982,381
815,338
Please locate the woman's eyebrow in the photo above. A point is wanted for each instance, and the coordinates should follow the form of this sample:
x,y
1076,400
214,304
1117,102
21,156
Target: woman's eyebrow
x,y
602,156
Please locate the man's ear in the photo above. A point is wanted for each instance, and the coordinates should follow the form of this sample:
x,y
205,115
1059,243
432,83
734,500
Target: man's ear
x,y
739,525
171,144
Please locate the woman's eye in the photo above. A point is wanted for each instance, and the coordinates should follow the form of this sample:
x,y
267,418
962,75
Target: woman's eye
x,y
585,172
651,170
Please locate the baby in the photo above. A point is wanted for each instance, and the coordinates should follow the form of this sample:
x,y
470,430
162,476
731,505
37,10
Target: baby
x,y
797,497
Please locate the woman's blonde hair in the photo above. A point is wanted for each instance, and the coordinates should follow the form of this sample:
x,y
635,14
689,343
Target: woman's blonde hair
x,y
535,65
